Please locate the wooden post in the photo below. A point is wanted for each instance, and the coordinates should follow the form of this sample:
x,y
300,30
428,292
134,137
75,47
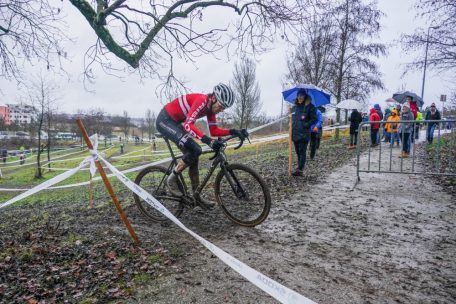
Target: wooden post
x,y
290,143
108,184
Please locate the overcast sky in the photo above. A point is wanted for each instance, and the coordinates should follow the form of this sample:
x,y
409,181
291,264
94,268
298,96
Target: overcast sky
x,y
115,95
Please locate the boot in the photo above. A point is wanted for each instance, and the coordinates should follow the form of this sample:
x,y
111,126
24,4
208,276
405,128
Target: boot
x,y
173,185
297,172
403,154
193,173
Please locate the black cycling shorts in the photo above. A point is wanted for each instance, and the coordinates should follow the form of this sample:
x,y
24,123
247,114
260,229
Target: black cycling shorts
x,y
175,132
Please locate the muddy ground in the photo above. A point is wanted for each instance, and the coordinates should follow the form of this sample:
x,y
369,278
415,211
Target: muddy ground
x,y
391,239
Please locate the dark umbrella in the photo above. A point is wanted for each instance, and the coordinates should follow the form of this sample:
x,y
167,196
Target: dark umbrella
x,y
402,96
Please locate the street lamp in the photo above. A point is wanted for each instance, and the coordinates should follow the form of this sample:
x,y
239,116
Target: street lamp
x,y
425,59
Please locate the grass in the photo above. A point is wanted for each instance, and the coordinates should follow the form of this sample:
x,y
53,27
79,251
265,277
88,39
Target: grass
x,y
25,177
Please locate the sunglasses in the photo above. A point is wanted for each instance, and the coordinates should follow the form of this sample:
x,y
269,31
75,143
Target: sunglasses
x,y
432,106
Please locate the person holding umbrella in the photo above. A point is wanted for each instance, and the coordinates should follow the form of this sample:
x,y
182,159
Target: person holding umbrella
x,y
304,115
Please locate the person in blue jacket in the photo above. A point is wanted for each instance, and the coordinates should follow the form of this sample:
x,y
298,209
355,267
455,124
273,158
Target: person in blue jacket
x,y
317,131
304,115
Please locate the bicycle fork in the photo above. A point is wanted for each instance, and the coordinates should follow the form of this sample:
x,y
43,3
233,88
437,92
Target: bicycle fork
x,y
236,186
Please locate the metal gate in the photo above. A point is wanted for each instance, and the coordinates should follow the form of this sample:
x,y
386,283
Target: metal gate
x,y
387,157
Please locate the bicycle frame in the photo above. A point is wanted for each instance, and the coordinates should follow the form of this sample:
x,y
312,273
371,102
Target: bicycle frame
x,y
218,160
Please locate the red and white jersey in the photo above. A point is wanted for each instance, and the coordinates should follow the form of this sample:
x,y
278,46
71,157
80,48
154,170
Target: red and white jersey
x,y
188,108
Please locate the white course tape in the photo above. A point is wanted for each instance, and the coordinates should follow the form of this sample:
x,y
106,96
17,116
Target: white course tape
x,y
273,288
267,125
46,184
158,162
94,154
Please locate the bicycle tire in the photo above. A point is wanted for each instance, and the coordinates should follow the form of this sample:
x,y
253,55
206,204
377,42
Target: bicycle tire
x,y
229,201
146,179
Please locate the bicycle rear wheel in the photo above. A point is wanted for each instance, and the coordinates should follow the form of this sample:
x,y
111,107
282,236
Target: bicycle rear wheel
x,y
153,180
243,195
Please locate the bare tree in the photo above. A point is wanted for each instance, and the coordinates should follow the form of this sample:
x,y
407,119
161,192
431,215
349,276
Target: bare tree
x,y
150,123
313,60
30,31
151,35
125,124
345,68
357,23
42,94
439,37
246,91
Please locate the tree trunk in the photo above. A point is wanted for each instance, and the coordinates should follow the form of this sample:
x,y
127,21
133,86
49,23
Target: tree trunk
x,y
38,173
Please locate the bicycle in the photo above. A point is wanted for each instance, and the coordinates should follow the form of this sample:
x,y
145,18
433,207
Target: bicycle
x,y
239,190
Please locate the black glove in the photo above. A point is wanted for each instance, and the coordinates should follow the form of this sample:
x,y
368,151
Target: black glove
x,y
216,144
242,134
206,139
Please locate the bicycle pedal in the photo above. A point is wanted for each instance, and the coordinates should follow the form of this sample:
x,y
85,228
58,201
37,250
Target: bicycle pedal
x,y
189,202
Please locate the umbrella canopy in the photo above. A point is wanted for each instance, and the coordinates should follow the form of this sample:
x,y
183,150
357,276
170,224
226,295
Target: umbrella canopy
x,y
349,104
319,96
401,97
390,100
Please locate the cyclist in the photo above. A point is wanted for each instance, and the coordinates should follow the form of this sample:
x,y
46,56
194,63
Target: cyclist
x,y
187,109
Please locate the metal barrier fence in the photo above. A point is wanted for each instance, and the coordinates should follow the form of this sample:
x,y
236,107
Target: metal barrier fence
x,y
399,155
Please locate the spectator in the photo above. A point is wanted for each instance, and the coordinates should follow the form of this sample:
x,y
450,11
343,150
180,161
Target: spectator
x,y
405,129
398,109
432,114
419,119
374,126
355,119
316,134
303,117
365,118
391,128
4,154
380,114
386,134
413,106
450,123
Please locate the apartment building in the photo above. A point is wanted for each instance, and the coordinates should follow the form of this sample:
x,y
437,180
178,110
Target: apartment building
x,y
4,114
22,113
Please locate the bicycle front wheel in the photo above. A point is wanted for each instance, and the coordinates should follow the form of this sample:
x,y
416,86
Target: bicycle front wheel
x,y
243,195
153,180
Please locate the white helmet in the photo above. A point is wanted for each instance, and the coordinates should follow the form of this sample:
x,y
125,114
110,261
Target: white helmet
x,y
224,95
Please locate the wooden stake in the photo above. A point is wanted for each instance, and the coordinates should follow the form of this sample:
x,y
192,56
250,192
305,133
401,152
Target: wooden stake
x,y
108,184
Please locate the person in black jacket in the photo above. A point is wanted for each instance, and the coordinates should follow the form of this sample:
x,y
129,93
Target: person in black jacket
x,y
304,115
355,119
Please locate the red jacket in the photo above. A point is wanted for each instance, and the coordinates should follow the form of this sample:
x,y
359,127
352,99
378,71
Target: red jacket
x,y
188,108
374,117
414,109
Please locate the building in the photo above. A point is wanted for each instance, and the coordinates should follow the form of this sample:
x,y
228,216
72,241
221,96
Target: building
x,y
4,114
22,113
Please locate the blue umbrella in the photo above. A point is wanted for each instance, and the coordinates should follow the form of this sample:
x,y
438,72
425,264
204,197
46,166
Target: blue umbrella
x,y
319,96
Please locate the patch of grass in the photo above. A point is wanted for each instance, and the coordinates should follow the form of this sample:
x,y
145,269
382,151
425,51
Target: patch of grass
x,y
155,258
26,255
71,239
88,300
142,278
